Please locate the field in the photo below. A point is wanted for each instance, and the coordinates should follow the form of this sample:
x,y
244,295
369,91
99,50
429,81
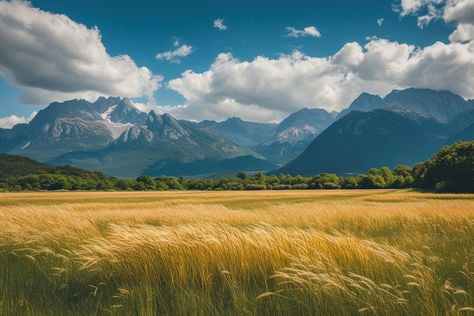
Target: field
x,y
368,252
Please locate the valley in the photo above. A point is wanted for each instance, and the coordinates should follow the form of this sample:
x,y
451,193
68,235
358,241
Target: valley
x,y
405,127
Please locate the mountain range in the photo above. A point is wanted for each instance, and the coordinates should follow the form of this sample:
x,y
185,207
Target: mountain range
x,y
405,127
113,136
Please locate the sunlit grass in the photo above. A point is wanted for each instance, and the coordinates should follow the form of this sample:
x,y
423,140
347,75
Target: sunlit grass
x,y
379,252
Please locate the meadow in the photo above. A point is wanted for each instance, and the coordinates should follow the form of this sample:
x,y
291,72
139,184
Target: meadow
x,y
335,252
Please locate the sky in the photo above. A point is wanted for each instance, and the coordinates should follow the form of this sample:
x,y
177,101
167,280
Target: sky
x,y
259,60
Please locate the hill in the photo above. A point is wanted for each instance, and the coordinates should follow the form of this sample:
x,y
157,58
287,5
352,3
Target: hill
x,y
13,166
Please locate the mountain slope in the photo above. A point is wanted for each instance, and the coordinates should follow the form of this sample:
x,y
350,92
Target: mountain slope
x,y
11,138
242,132
464,119
17,166
466,134
442,106
12,165
124,112
294,134
363,140
209,167
364,103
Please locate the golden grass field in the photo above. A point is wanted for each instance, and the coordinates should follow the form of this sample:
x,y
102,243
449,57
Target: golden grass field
x,y
368,252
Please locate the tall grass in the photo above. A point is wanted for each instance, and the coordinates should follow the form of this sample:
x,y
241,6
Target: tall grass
x,y
237,253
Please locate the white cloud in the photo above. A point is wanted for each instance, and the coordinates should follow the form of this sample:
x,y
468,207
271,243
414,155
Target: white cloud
x,y
371,38
432,13
51,57
176,54
415,6
266,89
426,10
379,21
461,11
463,33
219,24
311,31
12,120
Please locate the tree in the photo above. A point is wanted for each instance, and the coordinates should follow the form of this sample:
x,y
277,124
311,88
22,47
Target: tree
x,y
59,183
450,169
325,181
241,175
385,173
148,182
350,183
372,182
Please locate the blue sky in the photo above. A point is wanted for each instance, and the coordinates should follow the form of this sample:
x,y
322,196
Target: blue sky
x,y
141,29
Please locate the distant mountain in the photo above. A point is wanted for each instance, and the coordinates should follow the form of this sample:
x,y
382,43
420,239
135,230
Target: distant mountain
x,y
76,125
124,112
61,128
11,138
443,106
209,167
114,136
363,140
294,134
102,104
365,102
242,132
162,138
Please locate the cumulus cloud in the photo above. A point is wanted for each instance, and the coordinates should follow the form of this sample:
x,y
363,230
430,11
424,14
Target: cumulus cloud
x,y
12,120
311,31
51,57
464,32
407,7
461,11
458,11
268,89
219,24
176,54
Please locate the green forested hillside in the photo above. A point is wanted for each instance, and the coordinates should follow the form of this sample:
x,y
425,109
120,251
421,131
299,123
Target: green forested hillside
x,y
12,165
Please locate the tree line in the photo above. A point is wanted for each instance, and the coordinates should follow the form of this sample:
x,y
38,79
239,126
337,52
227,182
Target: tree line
x,y
449,170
